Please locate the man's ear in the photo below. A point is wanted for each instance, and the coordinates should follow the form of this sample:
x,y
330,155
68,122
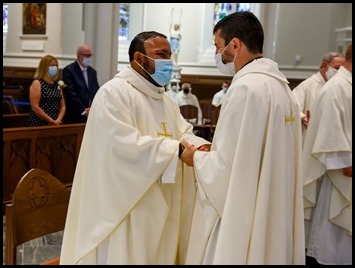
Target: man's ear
x,y
137,56
236,42
323,64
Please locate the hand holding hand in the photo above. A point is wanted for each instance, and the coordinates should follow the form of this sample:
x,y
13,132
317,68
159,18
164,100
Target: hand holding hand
x,y
305,120
57,122
188,153
205,147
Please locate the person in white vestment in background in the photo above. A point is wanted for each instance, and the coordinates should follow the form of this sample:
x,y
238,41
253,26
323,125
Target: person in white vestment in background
x,y
218,96
327,162
173,90
131,198
249,205
306,92
186,97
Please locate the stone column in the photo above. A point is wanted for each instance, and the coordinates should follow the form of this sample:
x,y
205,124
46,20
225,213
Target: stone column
x,y
101,22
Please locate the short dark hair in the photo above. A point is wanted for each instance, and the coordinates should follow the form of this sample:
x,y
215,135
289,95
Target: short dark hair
x,y
137,43
245,26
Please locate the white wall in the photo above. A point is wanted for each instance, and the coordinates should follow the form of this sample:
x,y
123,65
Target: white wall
x,y
72,28
304,31
291,29
63,35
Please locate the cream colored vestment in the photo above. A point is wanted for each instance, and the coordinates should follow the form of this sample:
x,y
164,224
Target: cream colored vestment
x,y
131,197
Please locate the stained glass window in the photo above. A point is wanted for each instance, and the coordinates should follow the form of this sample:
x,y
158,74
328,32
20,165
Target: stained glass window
x,y
223,9
4,17
243,6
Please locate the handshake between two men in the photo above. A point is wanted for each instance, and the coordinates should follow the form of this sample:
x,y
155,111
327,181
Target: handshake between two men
x,y
187,150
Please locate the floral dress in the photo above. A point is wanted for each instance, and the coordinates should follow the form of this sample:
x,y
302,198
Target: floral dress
x,y
49,103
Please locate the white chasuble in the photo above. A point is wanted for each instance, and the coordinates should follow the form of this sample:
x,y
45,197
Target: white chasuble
x,y
327,191
131,198
249,207
328,149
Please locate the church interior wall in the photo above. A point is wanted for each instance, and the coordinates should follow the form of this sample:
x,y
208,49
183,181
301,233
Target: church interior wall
x,y
296,34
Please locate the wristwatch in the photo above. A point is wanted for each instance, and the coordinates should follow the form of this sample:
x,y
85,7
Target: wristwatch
x,y
181,149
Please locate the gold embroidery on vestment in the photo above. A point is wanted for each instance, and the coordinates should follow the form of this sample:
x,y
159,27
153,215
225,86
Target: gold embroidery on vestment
x,y
164,133
289,118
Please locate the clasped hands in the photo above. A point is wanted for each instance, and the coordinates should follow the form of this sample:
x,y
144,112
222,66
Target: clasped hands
x,y
189,150
305,120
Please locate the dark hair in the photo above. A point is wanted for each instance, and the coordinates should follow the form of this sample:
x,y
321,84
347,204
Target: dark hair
x,y
137,43
245,26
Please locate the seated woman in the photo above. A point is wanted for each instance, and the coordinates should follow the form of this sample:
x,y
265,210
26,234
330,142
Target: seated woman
x,y
46,96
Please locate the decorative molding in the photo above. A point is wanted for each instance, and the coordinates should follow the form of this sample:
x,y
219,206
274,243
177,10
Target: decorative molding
x,y
32,45
32,60
33,37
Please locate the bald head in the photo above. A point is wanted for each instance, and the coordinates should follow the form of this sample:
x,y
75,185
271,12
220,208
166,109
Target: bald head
x,y
84,50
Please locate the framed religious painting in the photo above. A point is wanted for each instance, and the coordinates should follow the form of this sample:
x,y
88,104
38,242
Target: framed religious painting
x,y
34,17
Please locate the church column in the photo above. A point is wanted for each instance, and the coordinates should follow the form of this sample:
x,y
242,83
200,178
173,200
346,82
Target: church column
x,y
101,21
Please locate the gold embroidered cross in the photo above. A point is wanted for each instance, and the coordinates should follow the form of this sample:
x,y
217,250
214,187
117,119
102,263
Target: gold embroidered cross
x,y
164,133
289,118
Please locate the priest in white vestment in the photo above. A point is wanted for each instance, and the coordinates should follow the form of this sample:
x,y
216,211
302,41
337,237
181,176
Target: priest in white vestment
x,y
173,91
327,161
308,90
218,96
249,206
131,199
186,97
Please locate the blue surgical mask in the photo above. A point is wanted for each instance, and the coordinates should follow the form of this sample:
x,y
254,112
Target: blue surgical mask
x,y
163,70
87,61
52,71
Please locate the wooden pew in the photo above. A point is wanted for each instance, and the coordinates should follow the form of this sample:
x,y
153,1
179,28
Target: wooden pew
x,y
54,149
14,120
17,93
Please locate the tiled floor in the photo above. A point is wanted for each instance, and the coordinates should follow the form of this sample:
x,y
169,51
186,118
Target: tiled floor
x,y
38,250
47,247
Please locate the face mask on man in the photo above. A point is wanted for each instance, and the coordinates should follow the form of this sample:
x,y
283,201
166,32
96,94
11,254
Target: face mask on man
x,y
52,71
225,68
187,90
163,70
330,72
87,61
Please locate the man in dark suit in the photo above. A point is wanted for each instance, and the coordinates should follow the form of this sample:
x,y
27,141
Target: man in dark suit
x,y
82,85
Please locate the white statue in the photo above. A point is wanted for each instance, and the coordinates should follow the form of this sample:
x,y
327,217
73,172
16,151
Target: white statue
x,y
175,37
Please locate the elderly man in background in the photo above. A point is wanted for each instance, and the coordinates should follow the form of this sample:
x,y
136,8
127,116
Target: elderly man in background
x,y
306,92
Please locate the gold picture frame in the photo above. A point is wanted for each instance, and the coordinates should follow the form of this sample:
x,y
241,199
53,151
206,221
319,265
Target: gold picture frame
x,y
34,18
